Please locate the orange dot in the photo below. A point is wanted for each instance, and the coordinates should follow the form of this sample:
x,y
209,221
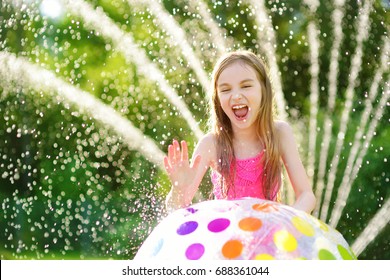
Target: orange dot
x,y
264,207
232,249
250,224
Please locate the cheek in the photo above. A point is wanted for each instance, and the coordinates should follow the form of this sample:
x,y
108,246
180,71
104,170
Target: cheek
x,y
259,100
224,102
256,98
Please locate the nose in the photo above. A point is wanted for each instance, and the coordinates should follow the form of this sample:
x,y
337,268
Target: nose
x,y
237,95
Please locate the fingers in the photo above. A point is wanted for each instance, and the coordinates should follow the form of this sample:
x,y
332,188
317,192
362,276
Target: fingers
x,y
176,154
184,152
176,147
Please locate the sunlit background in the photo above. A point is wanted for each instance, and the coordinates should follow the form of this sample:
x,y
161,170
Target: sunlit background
x,y
93,92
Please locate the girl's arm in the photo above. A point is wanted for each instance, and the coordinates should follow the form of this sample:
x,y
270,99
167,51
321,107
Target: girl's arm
x,y
304,196
185,176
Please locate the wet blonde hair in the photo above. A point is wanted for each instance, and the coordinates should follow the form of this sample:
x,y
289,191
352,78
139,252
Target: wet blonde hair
x,y
221,126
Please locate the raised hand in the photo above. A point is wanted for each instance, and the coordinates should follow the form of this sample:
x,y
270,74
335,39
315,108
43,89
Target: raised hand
x,y
178,167
185,177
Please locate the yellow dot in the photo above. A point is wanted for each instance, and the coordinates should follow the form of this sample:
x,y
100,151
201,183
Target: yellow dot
x,y
303,226
264,257
285,241
323,226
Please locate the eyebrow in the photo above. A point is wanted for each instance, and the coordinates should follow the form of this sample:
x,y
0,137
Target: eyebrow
x,y
242,82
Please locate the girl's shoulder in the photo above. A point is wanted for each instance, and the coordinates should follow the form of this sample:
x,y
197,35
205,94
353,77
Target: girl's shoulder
x,y
208,140
207,148
280,125
284,132
285,136
283,128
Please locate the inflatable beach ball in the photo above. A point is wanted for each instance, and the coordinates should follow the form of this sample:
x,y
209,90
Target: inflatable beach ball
x,y
244,229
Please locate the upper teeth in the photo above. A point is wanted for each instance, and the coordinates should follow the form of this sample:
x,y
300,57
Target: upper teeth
x,y
239,107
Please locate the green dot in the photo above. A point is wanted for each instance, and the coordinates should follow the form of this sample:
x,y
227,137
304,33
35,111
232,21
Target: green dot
x,y
324,254
344,253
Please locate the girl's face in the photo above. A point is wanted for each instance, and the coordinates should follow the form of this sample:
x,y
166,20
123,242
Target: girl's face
x,y
239,92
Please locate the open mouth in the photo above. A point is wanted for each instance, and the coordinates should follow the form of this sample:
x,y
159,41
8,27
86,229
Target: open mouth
x,y
240,111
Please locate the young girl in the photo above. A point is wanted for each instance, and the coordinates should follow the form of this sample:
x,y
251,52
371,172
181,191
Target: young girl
x,y
245,146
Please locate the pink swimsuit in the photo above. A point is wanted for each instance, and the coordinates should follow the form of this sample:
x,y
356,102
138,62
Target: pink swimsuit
x,y
247,179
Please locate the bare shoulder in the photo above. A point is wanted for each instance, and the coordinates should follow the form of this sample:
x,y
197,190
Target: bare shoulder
x,y
286,137
207,142
207,147
283,129
209,138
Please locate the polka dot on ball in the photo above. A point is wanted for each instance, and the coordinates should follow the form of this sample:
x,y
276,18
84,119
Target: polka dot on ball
x,y
195,251
187,228
322,225
285,241
324,254
345,254
250,224
191,210
303,226
264,207
157,247
232,249
218,225
264,257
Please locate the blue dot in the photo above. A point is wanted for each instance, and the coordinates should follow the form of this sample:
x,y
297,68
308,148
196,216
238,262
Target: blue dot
x,y
187,228
158,247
